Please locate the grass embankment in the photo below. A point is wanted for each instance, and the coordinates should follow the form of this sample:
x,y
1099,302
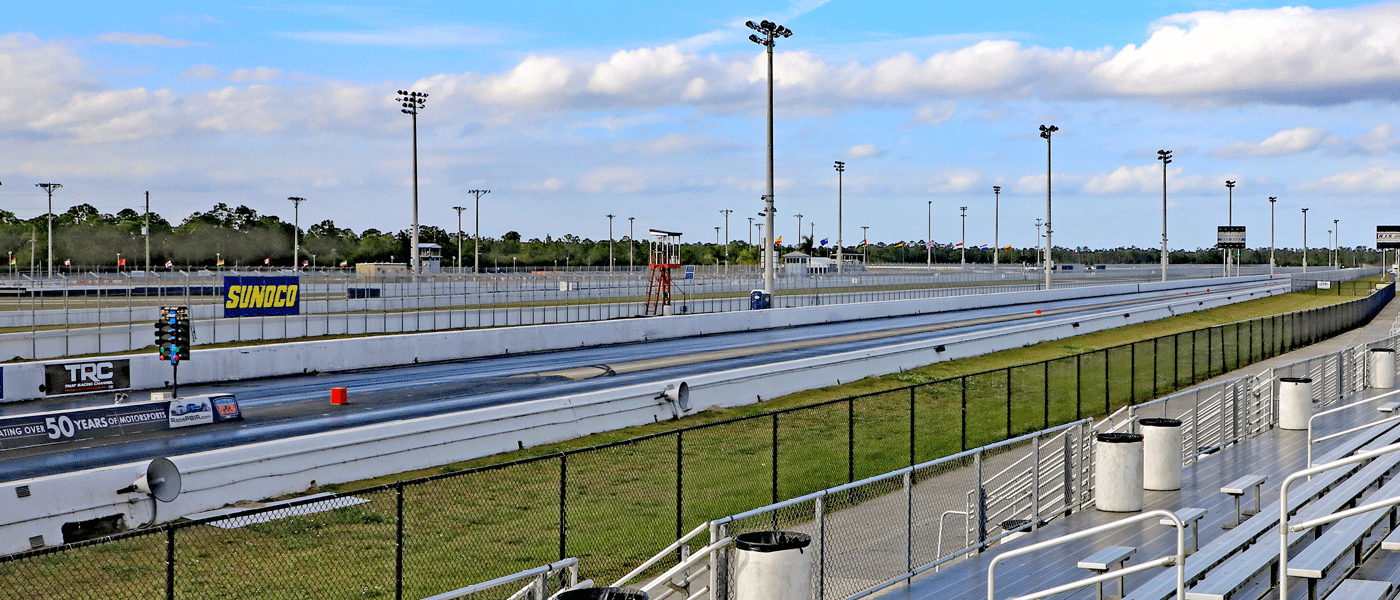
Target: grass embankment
x,y
621,501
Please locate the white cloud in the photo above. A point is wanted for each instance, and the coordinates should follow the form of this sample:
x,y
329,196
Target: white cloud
x,y
143,39
201,72
1288,141
255,75
1378,140
434,36
1143,178
622,180
1371,181
863,151
552,184
930,114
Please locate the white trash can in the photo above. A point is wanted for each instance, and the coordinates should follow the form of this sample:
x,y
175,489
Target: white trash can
x,y
1118,472
1382,368
773,565
1161,454
1294,402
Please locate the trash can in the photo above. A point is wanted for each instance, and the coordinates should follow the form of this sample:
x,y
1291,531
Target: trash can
x,y
607,593
1118,472
1161,454
773,565
759,300
1382,368
1294,402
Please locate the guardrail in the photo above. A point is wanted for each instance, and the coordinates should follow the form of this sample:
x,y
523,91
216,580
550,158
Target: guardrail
x,y
537,589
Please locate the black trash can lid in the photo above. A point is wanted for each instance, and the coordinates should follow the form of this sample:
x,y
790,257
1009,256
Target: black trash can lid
x,y
607,593
1383,350
1296,379
772,541
1120,438
1159,422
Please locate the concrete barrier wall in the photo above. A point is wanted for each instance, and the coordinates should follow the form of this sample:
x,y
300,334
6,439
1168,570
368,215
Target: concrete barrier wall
x,y
216,478
21,381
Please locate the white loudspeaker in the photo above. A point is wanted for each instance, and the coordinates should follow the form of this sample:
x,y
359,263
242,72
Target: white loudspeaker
x,y
161,481
679,395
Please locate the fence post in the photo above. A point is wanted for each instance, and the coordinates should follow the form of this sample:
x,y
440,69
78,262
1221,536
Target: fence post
x,y
1107,391
680,481
1070,456
1046,394
1035,482
964,413
981,502
821,547
170,562
398,540
850,441
1156,358
1008,403
775,458
911,426
563,505
1078,386
909,521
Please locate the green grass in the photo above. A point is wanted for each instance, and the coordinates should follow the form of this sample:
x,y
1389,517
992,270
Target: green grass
x,y
621,499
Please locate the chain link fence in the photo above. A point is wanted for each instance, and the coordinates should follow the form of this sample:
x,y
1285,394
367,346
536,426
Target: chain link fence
x,y
614,506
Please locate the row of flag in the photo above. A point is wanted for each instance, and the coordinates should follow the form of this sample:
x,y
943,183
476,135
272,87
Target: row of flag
x,y
121,262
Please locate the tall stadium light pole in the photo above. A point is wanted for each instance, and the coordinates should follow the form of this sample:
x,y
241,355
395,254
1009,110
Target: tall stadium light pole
x,y
963,258
631,243
1230,220
476,241
1305,240
928,243
996,229
771,32
1166,157
1329,247
840,245
865,243
726,212
50,187
610,243
146,230
1038,247
750,231
799,229
296,231
413,102
1337,242
1273,200
459,210
1046,132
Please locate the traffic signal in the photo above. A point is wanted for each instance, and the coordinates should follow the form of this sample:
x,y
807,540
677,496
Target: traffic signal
x,y
163,339
181,332
173,333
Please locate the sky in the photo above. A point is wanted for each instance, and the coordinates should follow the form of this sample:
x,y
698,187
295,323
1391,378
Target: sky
x,y
571,111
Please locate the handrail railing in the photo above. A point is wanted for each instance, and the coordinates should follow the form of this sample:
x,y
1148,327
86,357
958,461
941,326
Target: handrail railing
x,y
699,529
538,574
1179,560
1329,411
1284,528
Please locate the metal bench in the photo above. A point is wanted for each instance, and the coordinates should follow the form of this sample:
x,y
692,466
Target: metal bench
x,y
1191,517
1237,488
1361,589
1391,541
1106,560
1389,407
1222,582
1231,542
1346,534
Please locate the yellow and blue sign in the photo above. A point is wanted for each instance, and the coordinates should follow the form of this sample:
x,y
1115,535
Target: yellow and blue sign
x,y
261,296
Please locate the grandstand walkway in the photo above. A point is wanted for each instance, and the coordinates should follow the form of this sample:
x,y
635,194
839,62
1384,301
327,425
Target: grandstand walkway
x,y
1274,453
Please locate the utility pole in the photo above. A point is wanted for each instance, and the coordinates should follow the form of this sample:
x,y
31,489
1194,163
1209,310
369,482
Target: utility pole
x,y
726,213
840,245
296,231
1046,132
996,230
632,243
1305,240
476,243
1230,220
963,259
50,187
1273,200
459,210
928,243
146,230
865,243
610,243
1166,157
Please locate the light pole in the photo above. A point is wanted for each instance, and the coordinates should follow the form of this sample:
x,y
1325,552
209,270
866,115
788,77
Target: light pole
x,y
771,32
413,102
928,242
963,258
799,229
840,245
1305,240
632,243
812,226
865,243
296,231
50,187
459,210
996,229
610,243
1329,247
1337,242
716,237
1038,247
119,262
1166,157
146,231
1046,132
1273,200
1230,220
750,231
476,241
726,213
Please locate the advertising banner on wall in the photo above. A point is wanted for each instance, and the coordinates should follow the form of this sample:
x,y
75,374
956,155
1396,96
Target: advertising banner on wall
x,y
261,296
86,376
1387,236
37,429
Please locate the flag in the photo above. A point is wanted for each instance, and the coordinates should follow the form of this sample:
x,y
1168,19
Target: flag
x,y
1008,247
121,262
169,264
865,242
221,262
67,262
779,240
898,245
12,261
957,245
984,247
823,241
344,263
305,262
267,261
929,245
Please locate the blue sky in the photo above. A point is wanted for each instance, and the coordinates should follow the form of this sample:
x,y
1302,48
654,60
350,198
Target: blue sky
x,y
571,111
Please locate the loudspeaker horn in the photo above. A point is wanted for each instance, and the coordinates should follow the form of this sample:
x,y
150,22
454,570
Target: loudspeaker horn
x,y
161,481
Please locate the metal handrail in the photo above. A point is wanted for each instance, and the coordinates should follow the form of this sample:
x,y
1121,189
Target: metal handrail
x,y
1329,411
1179,560
1283,528
701,528
537,573
703,554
